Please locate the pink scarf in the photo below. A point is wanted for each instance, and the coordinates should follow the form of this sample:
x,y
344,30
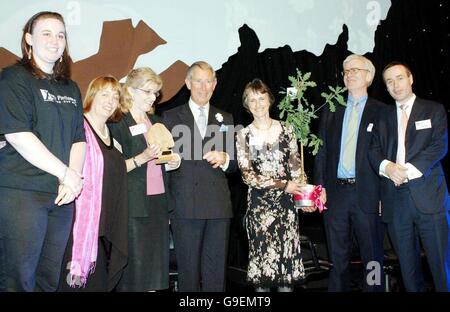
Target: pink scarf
x,y
87,214
155,182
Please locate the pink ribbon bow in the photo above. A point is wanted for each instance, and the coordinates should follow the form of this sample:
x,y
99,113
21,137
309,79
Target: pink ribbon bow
x,y
316,197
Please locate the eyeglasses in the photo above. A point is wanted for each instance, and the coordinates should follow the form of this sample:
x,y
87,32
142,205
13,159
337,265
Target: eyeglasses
x,y
353,71
148,92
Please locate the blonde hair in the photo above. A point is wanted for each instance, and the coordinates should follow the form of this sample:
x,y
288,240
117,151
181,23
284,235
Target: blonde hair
x,y
98,84
137,78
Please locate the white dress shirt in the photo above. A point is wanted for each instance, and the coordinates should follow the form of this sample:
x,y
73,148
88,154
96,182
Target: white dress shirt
x,y
413,172
195,109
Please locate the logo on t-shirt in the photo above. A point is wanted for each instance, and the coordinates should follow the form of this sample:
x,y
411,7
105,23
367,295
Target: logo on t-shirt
x,y
48,97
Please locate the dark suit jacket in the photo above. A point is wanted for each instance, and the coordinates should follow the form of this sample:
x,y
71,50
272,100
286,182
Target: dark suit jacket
x,y
196,190
327,160
137,178
425,149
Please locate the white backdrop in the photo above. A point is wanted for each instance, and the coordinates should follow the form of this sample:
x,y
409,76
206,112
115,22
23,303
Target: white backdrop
x,y
205,29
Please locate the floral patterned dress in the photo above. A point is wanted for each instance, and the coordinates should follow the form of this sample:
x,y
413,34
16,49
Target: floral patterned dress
x,y
271,219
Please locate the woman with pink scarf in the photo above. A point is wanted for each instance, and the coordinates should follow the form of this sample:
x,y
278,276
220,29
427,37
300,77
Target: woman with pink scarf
x,y
97,251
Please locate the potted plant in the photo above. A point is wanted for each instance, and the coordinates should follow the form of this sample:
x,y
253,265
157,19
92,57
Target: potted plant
x,y
299,114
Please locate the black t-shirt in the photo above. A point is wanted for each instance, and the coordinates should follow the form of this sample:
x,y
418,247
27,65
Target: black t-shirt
x,y
50,109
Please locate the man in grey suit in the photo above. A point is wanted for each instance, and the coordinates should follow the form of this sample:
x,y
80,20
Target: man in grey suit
x,y
407,149
198,190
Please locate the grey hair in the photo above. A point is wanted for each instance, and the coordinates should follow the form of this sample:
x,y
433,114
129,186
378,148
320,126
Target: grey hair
x,y
367,63
202,65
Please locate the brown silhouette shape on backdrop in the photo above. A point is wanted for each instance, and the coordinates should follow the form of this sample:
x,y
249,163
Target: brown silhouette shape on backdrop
x,y
120,46
7,58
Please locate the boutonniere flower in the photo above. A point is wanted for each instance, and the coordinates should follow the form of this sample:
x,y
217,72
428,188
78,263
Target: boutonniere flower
x,y
219,117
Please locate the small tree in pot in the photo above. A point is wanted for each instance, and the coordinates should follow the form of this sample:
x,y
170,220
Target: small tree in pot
x,y
299,114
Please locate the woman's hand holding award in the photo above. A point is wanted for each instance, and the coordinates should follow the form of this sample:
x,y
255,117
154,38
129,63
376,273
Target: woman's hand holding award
x,y
160,135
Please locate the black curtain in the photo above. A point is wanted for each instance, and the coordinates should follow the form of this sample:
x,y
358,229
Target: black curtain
x,y
415,32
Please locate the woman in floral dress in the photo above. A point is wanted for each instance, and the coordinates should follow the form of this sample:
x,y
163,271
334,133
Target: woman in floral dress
x,y
268,157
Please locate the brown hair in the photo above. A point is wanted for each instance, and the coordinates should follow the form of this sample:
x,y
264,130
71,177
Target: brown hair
x,y
136,79
397,63
98,84
61,69
256,85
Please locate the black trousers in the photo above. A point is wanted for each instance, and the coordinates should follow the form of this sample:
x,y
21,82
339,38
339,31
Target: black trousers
x,y
409,223
33,236
343,219
201,247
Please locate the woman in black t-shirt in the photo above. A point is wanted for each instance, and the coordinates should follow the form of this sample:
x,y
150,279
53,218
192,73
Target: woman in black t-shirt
x,y
40,165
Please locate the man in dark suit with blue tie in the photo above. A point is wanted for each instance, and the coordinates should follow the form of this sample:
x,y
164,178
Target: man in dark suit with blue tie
x,y
351,185
407,149
198,191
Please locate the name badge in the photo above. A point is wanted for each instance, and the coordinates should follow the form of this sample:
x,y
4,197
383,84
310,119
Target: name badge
x,y
117,146
423,124
370,127
138,129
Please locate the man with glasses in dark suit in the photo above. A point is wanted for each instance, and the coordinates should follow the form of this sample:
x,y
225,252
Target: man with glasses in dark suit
x,y
351,185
